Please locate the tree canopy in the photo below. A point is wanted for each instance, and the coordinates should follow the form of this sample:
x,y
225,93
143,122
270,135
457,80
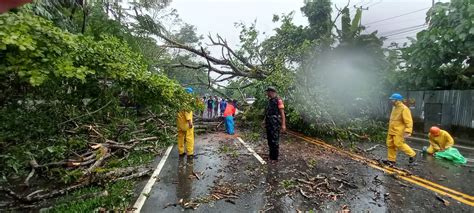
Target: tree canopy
x,y
441,57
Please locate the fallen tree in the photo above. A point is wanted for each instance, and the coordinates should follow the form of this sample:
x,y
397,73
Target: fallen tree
x,y
66,125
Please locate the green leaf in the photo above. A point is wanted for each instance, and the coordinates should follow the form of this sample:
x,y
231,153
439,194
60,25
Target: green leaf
x,y
356,20
50,149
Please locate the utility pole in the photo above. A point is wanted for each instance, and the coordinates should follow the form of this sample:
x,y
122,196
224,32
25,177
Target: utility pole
x,y
432,3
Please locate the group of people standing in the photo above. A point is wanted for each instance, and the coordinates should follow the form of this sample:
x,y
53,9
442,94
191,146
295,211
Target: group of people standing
x,y
220,107
215,106
274,121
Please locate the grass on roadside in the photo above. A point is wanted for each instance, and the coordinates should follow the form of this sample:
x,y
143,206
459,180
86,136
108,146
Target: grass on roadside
x,y
114,196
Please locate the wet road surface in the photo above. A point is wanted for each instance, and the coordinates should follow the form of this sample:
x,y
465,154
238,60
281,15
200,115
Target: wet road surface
x,y
307,177
219,160
458,177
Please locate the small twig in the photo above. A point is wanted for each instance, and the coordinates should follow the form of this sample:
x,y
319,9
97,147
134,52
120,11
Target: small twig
x,y
138,131
105,155
11,193
77,155
143,139
90,155
196,175
323,183
82,163
30,175
266,210
345,182
90,127
84,115
304,194
305,182
445,202
136,175
371,148
33,193
220,123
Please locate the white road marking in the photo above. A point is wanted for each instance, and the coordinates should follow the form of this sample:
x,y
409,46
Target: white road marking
x,y
144,194
260,159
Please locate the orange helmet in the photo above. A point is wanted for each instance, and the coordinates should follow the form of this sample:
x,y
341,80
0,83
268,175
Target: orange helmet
x,y
434,130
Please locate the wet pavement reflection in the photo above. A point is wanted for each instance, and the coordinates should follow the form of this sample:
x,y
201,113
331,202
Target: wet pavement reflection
x,y
274,201
185,178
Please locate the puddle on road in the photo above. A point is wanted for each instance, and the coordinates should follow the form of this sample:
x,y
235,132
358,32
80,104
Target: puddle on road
x,y
184,185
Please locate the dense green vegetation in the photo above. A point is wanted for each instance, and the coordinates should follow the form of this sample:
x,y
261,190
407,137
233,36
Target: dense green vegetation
x,y
441,57
64,93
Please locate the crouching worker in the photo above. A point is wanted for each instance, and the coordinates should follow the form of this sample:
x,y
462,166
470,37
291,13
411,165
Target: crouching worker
x,y
186,130
229,114
440,140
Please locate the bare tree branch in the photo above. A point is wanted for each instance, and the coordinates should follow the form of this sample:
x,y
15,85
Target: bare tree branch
x,y
214,89
224,79
202,66
237,64
339,13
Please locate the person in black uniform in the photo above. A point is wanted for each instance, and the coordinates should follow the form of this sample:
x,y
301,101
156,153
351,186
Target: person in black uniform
x,y
274,122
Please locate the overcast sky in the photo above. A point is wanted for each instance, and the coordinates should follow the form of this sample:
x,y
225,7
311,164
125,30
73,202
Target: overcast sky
x,y
219,16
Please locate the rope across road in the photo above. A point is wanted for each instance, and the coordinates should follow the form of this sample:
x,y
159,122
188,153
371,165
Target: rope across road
x,y
404,175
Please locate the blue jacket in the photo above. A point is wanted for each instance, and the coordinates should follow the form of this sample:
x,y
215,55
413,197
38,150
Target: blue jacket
x,y
223,105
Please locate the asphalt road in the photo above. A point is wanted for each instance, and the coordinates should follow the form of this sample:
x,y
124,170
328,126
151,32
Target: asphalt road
x,y
223,164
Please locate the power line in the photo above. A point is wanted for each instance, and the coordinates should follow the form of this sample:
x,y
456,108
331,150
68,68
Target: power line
x,y
404,39
375,3
360,2
367,3
393,17
403,29
403,32
391,23
397,38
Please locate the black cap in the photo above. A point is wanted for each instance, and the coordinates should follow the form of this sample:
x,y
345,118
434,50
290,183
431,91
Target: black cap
x,y
270,88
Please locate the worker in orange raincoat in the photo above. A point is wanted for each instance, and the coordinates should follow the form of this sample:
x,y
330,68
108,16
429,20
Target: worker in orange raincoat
x,y
399,128
229,114
185,130
440,140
